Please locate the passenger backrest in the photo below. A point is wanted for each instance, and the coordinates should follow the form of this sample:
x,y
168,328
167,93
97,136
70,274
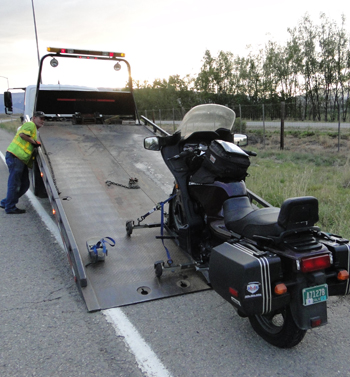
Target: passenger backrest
x,y
298,212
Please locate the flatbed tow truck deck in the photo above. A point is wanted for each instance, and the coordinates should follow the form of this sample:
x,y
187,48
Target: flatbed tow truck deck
x,y
81,159
93,135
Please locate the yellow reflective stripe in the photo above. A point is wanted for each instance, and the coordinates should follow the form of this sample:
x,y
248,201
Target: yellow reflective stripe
x,y
23,146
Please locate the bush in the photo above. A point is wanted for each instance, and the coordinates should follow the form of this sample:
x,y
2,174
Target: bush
x,y
240,126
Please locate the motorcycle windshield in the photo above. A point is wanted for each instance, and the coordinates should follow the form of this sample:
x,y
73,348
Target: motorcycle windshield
x,y
208,117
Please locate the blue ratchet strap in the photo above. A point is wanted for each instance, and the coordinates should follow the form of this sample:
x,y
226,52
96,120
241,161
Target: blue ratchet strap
x,y
102,243
170,261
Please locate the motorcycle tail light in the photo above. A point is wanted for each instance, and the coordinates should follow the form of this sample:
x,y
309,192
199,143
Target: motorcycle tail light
x,y
315,322
316,263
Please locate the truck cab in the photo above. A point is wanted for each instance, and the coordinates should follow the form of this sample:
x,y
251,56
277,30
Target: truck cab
x,y
68,100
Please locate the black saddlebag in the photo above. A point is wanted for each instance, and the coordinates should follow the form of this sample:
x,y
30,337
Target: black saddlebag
x,y
340,249
226,160
246,278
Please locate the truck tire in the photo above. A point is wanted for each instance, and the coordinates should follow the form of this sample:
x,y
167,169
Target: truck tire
x,y
38,186
278,328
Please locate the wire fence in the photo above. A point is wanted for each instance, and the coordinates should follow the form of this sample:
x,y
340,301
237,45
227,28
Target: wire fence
x,y
263,117
293,112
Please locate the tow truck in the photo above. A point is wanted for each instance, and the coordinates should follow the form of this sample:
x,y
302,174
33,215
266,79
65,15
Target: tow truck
x,y
94,171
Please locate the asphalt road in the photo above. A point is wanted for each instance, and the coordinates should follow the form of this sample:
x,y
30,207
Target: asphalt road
x,y
46,331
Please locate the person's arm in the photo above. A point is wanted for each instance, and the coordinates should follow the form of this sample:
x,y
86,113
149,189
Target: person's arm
x,y
28,138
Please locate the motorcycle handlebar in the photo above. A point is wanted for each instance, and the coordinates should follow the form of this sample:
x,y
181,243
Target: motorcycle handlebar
x,y
193,151
182,154
250,153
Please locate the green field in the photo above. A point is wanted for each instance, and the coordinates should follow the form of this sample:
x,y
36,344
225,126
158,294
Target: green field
x,y
308,165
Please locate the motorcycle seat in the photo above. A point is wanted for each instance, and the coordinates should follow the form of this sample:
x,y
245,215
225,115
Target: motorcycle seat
x,y
242,218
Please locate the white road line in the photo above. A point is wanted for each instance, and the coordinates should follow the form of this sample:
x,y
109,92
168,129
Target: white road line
x,y
146,359
50,224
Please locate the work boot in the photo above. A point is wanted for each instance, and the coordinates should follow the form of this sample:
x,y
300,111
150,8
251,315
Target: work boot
x,y
16,211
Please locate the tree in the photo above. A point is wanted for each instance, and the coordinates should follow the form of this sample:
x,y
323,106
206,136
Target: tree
x,y
308,35
311,72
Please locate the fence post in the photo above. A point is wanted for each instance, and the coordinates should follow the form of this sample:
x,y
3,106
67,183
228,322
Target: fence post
x,y
282,124
338,127
173,120
240,117
263,113
160,116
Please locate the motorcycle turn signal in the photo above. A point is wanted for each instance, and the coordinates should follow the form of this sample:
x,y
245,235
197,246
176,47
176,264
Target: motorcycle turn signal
x,y
280,289
343,275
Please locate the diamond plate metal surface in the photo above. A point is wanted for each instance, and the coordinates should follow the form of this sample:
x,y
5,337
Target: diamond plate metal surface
x,y
83,158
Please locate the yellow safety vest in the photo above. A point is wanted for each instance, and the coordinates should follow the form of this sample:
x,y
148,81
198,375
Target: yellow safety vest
x,y
24,149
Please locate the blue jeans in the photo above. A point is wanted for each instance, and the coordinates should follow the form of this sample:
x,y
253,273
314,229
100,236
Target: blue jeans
x,y
18,182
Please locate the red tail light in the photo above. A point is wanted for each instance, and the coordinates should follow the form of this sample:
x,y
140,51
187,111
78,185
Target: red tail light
x,y
316,263
315,322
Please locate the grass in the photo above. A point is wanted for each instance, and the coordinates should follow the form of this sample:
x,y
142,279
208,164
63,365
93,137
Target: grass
x,y
10,126
311,166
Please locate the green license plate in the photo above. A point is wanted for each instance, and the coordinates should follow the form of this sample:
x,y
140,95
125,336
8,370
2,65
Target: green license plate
x,y
314,295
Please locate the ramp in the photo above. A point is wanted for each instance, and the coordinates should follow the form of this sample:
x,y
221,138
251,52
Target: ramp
x,y
82,159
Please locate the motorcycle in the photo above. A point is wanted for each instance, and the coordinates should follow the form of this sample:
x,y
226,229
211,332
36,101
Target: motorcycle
x,y
273,265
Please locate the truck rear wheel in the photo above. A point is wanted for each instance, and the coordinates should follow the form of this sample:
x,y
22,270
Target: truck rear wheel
x,y
278,328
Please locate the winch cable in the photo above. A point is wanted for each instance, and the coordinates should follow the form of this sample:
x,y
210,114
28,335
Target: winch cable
x,y
132,181
115,159
132,184
161,204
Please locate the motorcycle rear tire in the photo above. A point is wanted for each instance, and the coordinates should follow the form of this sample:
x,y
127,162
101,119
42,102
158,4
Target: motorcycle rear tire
x,y
278,328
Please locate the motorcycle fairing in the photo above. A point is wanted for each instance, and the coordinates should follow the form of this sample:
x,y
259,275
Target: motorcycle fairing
x,y
190,236
208,117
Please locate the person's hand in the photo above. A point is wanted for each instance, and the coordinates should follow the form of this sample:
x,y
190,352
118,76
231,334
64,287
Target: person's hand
x,y
37,144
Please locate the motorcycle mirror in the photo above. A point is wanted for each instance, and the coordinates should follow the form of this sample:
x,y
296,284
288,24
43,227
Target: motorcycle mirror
x,y
240,140
151,143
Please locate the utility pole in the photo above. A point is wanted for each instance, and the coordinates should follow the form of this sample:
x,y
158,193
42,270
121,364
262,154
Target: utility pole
x,y
36,34
8,85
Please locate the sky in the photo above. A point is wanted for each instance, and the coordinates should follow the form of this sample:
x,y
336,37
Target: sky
x,y
159,37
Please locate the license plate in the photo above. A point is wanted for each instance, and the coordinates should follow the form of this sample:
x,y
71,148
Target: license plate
x,y
314,295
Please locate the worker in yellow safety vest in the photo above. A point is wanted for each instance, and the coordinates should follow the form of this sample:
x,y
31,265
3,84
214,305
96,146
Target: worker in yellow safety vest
x,y
19,157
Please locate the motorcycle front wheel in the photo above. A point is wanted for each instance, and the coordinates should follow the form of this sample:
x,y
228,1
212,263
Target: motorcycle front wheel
x,y
278,328
176,213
